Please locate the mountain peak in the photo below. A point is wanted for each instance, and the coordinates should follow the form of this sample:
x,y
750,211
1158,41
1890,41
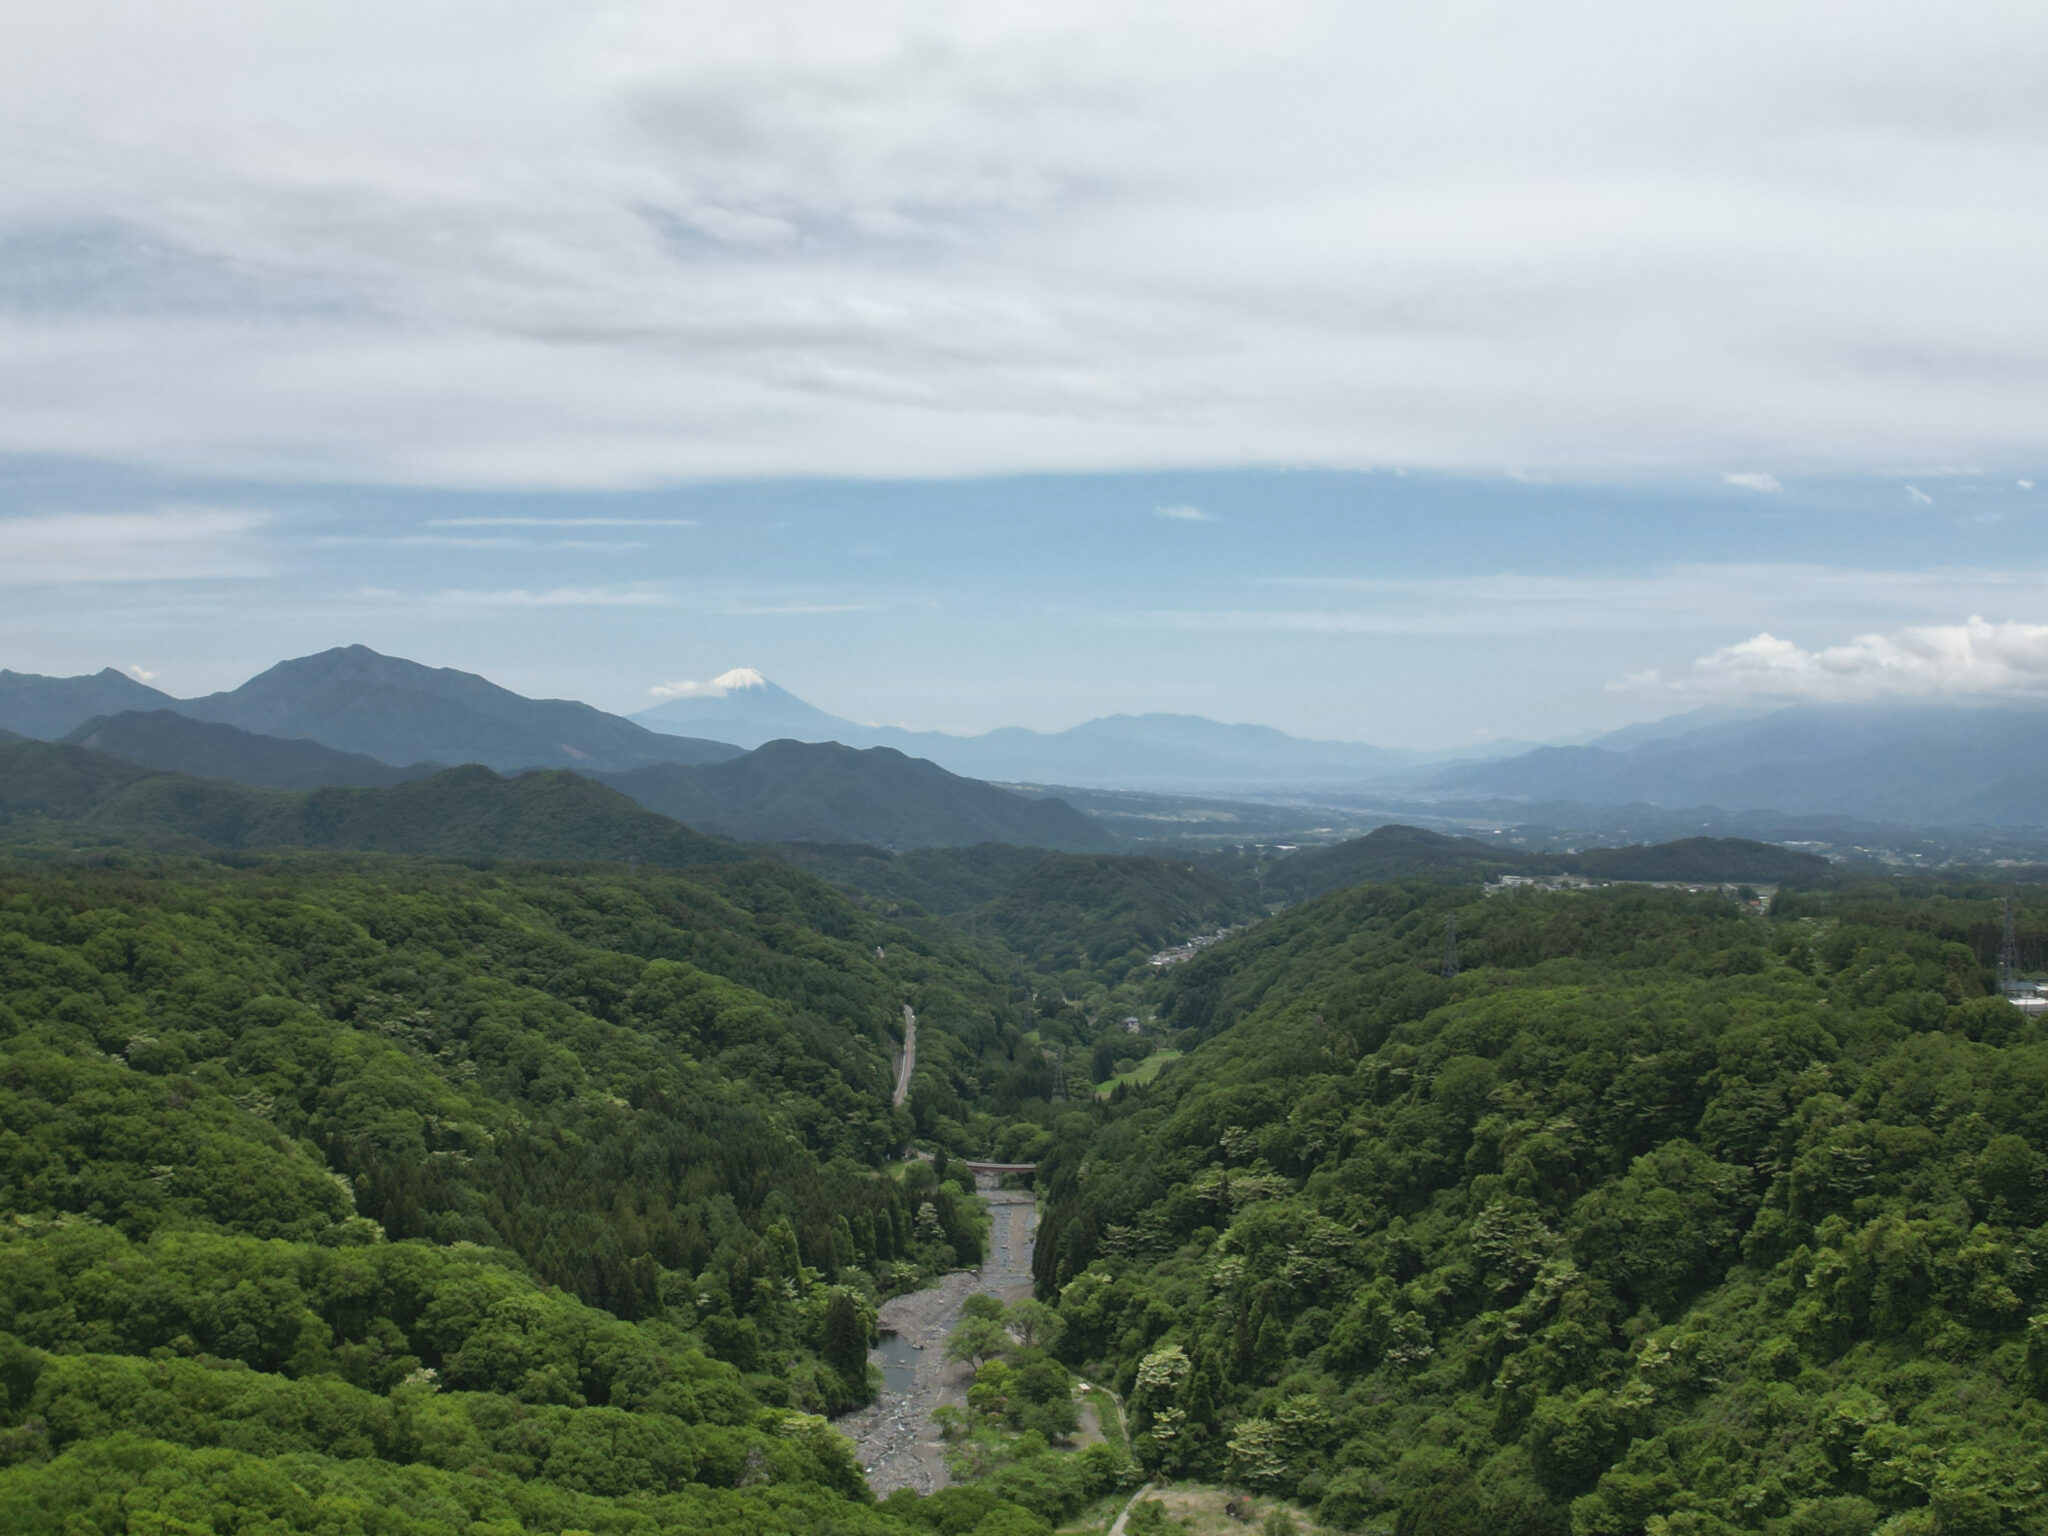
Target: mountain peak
x,y
738,680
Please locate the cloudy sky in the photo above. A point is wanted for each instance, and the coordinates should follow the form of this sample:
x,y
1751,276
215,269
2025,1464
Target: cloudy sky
x,y
1408,373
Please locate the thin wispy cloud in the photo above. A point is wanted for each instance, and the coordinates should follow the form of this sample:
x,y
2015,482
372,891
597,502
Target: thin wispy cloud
x,y
561,522
555,597
1918,497
1673,599
466,541
1183,513
771,609
1755,481
170,544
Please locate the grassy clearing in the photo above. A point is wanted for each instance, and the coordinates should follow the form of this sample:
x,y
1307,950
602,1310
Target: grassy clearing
x,y
1196,1509
1139,1075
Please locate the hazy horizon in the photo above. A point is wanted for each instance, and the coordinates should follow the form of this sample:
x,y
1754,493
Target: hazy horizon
x,y
1417,379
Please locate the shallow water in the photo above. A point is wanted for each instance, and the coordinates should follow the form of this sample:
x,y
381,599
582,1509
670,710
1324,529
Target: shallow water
x,y
894,1436
897,1357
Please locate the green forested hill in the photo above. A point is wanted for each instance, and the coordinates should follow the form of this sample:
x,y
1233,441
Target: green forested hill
x,y
56,792
946,881
823,792
1396,852
1092,917
373,1196
174,743
1103,914
1702,860
1392,852
1659,1218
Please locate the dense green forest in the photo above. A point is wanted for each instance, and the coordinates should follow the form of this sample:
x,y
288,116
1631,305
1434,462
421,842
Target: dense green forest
x,y
1088,919
1396,852
61,796
365,1192
367,1195
1660,1217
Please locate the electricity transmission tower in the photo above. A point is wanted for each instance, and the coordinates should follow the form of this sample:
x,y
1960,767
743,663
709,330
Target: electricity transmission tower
x,y
1451,949
2008,951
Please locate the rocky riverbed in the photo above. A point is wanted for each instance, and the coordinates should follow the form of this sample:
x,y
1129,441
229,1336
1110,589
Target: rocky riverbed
x,y
894,1436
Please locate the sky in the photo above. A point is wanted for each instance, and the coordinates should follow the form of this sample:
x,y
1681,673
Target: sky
x,y
1484,372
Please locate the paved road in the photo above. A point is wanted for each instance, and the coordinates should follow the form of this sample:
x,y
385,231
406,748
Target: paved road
x,y
909,1058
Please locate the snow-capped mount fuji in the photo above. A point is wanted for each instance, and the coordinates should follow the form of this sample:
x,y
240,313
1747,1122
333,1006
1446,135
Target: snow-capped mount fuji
x,y
744,708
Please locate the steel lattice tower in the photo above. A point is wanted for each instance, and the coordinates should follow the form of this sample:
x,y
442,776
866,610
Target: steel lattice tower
x,y
2009,950
1451,949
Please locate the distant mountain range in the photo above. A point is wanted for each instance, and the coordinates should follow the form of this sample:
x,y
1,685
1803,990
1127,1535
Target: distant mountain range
x,y
785,791
382,719
1155,751
1913,766
48,708
355,700
401,712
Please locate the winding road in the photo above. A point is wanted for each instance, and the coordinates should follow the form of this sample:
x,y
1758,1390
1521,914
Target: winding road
x,y
909,1059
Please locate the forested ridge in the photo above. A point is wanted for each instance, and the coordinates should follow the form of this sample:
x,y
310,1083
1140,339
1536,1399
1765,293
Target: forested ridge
x,y
1660,1216
368,1195
362,1193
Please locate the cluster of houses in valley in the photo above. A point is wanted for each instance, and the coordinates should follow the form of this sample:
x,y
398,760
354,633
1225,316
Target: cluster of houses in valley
x,y
1189,950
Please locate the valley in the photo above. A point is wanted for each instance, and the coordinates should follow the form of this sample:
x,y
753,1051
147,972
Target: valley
x,y
493,1149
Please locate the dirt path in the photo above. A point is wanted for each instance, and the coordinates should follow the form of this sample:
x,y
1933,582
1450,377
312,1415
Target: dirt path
x,y
909,1064
894,1437
1124,1514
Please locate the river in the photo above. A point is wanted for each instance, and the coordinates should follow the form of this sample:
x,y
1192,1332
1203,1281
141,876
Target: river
x,y
894,1436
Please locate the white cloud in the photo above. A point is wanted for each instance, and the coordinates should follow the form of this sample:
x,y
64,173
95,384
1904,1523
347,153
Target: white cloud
x,y
1755,481
173,544
1975,657
540,245
1183,513
1697,600
801,608
1918,496
561,522
556,597
141,674
466,541
2026,485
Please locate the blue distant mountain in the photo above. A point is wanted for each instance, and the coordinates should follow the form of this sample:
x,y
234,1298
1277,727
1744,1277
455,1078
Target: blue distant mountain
x,y
401,712
47,708
744,708
355,700
1924,765
1154,751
